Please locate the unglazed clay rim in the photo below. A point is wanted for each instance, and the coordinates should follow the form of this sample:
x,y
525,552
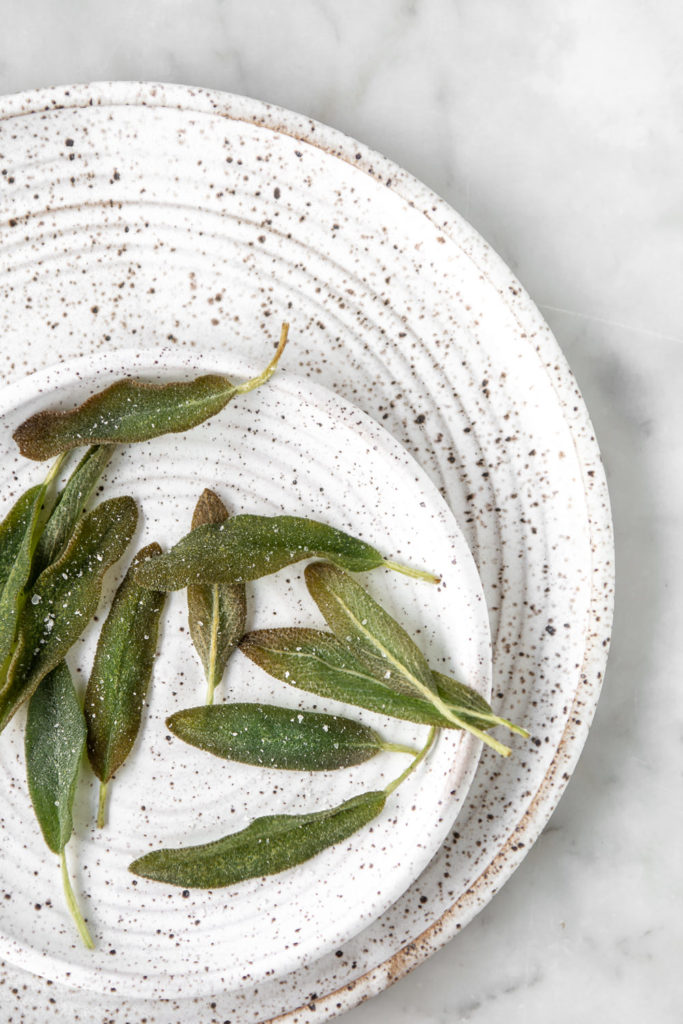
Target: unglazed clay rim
x,y
495,272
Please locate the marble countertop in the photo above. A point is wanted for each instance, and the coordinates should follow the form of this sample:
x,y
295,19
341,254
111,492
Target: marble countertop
x,y
555,129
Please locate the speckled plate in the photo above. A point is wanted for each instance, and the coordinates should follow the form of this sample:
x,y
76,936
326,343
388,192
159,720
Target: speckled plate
x,y
292,448
146,215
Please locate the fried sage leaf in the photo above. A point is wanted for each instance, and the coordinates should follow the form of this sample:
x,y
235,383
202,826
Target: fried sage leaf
x,y
54,744
120,675
64,598
217,612
247,547
69,507
132,410
268,845
319,663
380,642
19,533
276,737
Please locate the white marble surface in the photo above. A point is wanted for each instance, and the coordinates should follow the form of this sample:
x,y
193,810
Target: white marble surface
x,y
556,130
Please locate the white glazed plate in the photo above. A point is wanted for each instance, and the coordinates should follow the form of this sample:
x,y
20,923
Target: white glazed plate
x,y
143,215
291,448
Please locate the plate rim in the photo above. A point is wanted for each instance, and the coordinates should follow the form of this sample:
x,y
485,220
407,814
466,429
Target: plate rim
x,y
498,275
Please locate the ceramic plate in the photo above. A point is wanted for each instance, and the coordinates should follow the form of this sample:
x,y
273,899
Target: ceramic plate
x,y
292,448
141,215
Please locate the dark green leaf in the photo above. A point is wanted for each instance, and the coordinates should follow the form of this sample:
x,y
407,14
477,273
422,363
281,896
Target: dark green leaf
x,y
17,541
19,535
121,671
247,547
126,411
54,743
320,663
216,612
69,507
132,410
64,598
275,737
267,846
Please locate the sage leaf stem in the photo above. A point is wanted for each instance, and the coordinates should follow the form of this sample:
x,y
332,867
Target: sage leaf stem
x,y
72,904
471,705
420,756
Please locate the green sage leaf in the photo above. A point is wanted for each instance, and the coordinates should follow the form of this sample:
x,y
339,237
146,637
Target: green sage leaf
x,y
17,541
247,547
319,663
64,598
276,737
217,612
267,846
69,507
381,643
19,535
121,671
54,745
133,410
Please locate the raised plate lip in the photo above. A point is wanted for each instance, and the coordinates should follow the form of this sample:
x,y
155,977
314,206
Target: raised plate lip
x,y
491,268
162,362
